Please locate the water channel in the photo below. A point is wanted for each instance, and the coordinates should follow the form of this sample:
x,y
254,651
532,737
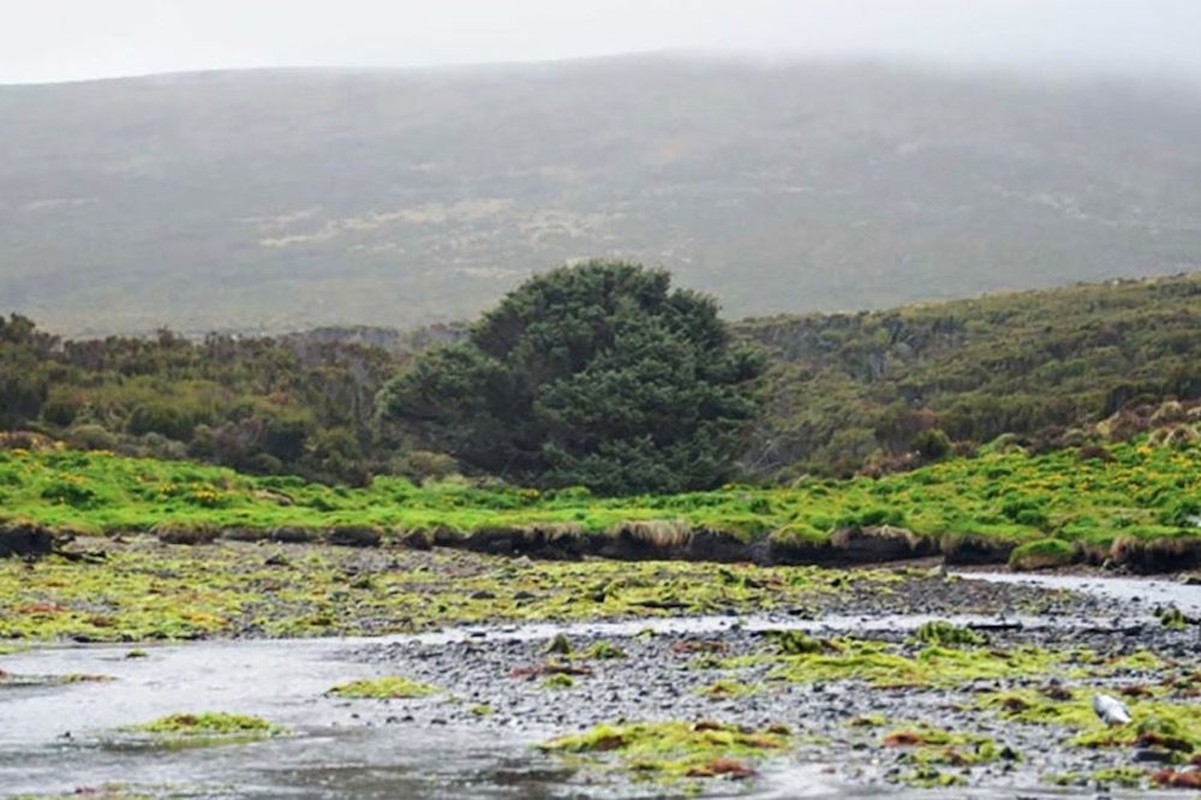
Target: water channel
x,y
57,739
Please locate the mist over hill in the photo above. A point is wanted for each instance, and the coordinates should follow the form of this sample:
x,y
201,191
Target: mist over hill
x,y
274,200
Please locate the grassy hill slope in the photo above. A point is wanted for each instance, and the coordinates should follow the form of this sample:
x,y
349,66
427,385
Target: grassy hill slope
x,y
286,199
1055,367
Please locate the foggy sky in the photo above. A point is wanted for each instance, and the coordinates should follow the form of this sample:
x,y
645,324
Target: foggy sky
x,y
58,40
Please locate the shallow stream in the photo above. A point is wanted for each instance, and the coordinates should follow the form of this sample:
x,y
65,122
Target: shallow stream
x,y
56,739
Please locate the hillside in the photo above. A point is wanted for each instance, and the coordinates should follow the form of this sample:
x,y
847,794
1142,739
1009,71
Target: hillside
x,y
1049,366
1082,365
280,200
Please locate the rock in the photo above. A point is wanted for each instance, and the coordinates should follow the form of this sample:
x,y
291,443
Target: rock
x,y
1154,755
293,535
26,539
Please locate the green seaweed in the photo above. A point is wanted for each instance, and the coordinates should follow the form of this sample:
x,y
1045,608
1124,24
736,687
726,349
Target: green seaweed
x,y
941,633
886,665
558,680
144,590
388,687
671,751
206,729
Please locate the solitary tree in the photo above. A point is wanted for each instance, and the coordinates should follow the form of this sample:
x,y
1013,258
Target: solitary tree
x,y
597,375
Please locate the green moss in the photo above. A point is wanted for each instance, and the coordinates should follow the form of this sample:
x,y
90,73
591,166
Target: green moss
x,y
389,687
1064,779
868,721
930,750
558,680
11,679
605,651
145,590
559,645
945,634
720,690
1172,617
1174,727
893,666
930,777
796,643
208,728
1127,777
670,751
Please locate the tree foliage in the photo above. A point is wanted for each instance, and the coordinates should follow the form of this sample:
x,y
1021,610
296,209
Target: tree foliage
x,y
598,375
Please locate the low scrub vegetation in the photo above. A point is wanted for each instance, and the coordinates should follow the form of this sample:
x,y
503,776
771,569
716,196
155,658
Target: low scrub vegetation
x,y
1082,367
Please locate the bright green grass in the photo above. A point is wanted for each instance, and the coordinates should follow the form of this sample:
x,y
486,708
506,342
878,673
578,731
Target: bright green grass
x,y
1144,493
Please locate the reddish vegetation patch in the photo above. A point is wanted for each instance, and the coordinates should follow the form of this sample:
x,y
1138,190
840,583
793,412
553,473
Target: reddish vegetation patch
x,y
41,608
904,739
606,743
761,742
1135,691
551,668
1178,780
699,646
736,770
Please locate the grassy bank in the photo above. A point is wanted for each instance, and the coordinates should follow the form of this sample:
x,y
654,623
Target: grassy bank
x,y
1068,505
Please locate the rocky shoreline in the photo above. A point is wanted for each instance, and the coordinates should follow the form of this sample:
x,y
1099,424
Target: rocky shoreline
x,y
1001,712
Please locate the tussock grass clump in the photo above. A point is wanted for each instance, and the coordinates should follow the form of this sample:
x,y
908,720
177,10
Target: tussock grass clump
x,y
1043,554
559,644
660,533
605,651
945,634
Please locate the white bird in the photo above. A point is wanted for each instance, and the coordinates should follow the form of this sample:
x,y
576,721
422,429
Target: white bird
x,y
1110,710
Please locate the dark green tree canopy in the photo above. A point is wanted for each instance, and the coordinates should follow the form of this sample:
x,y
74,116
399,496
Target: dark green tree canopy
x,y
598,375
